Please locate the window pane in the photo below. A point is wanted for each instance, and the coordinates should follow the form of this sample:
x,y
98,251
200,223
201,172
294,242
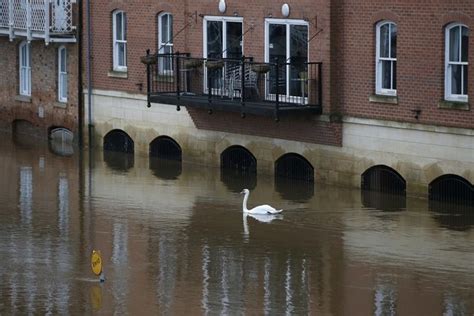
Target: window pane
x,y
386,74
63,60
234,38
394,74
170,27
466,79
393,39
121,54
63,86
164,29
454,37
277,53
214,39
124,26
384,41
456,73
465,44
118,26
23,55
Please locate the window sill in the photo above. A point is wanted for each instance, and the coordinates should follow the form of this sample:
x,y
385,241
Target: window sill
x,y
118,74
380,98
60,104
23,98
453,105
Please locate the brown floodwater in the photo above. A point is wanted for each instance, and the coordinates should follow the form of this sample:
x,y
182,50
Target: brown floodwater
x,y
174,240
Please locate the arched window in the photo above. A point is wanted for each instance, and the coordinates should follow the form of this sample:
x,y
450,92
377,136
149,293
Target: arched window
x,y
62,74
25,68
119,20
165,42
386,58
456,76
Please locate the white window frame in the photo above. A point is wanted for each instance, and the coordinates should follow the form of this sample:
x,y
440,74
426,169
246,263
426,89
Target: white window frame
x,y
379,60
62,75
162,45
25,69
448,95
288,23
117,42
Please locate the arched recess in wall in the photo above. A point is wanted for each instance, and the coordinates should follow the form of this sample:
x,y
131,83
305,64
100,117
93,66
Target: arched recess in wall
x,y
61,140
383,188
165,158
238,168
118,150
165,147
294,177
118,140
383,179
451,198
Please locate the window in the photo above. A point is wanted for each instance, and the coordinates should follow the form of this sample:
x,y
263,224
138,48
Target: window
x,y
386,63
62,74
456,74
120,41
286,43
165,42
25,69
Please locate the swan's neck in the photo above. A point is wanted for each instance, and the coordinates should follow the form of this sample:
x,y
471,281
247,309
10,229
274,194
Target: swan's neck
x,y
244,204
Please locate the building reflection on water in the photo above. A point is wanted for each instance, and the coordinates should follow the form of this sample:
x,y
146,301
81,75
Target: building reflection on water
x,y
174,241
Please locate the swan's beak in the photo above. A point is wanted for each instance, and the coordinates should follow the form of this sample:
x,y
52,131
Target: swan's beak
x,y
242,192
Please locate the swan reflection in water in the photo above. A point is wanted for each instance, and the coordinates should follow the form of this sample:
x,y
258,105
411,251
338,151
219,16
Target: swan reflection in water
x,y
266,219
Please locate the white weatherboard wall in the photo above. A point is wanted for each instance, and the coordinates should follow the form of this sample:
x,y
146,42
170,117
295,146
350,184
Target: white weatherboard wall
x,y
420,153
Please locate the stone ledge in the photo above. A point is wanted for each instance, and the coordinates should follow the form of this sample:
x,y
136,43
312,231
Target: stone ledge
x,y
118,74
453,105
23,98
59,104
387,99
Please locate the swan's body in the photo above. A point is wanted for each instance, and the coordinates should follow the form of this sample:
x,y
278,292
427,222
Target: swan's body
x,y
257,210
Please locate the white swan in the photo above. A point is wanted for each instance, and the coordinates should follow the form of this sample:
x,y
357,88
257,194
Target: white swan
x,y
258,210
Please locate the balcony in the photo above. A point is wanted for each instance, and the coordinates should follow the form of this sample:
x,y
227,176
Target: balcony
x,y
48,20
235,85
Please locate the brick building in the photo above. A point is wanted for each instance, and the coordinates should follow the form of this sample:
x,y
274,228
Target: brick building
x,y
39,57
351,92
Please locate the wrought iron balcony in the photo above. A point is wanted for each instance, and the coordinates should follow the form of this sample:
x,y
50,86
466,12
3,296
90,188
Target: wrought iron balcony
x,y
50,20
237,85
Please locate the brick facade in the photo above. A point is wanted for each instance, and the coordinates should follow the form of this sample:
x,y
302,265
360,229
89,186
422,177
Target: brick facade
x,y
420,59
44,87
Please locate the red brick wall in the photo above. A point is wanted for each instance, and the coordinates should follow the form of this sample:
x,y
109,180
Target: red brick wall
x,y
44,76
420,58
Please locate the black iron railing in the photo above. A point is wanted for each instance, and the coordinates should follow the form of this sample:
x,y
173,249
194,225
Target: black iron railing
x,y
234,81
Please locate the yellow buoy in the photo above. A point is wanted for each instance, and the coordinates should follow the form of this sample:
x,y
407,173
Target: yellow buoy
x,y
96,262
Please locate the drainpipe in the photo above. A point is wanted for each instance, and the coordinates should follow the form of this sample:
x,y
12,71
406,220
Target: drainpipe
x,y
80,91
88,62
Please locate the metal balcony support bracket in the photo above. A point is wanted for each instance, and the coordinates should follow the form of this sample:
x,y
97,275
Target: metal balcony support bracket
x,y
242,88
178,81
10,20
29,37
277,92
209,90
47,6
320,85
148,80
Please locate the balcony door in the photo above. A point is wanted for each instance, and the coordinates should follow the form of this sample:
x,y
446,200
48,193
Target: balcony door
x,y
286,43
222,40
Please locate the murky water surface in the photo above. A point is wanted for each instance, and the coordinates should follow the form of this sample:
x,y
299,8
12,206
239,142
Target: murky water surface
x,y
174,241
